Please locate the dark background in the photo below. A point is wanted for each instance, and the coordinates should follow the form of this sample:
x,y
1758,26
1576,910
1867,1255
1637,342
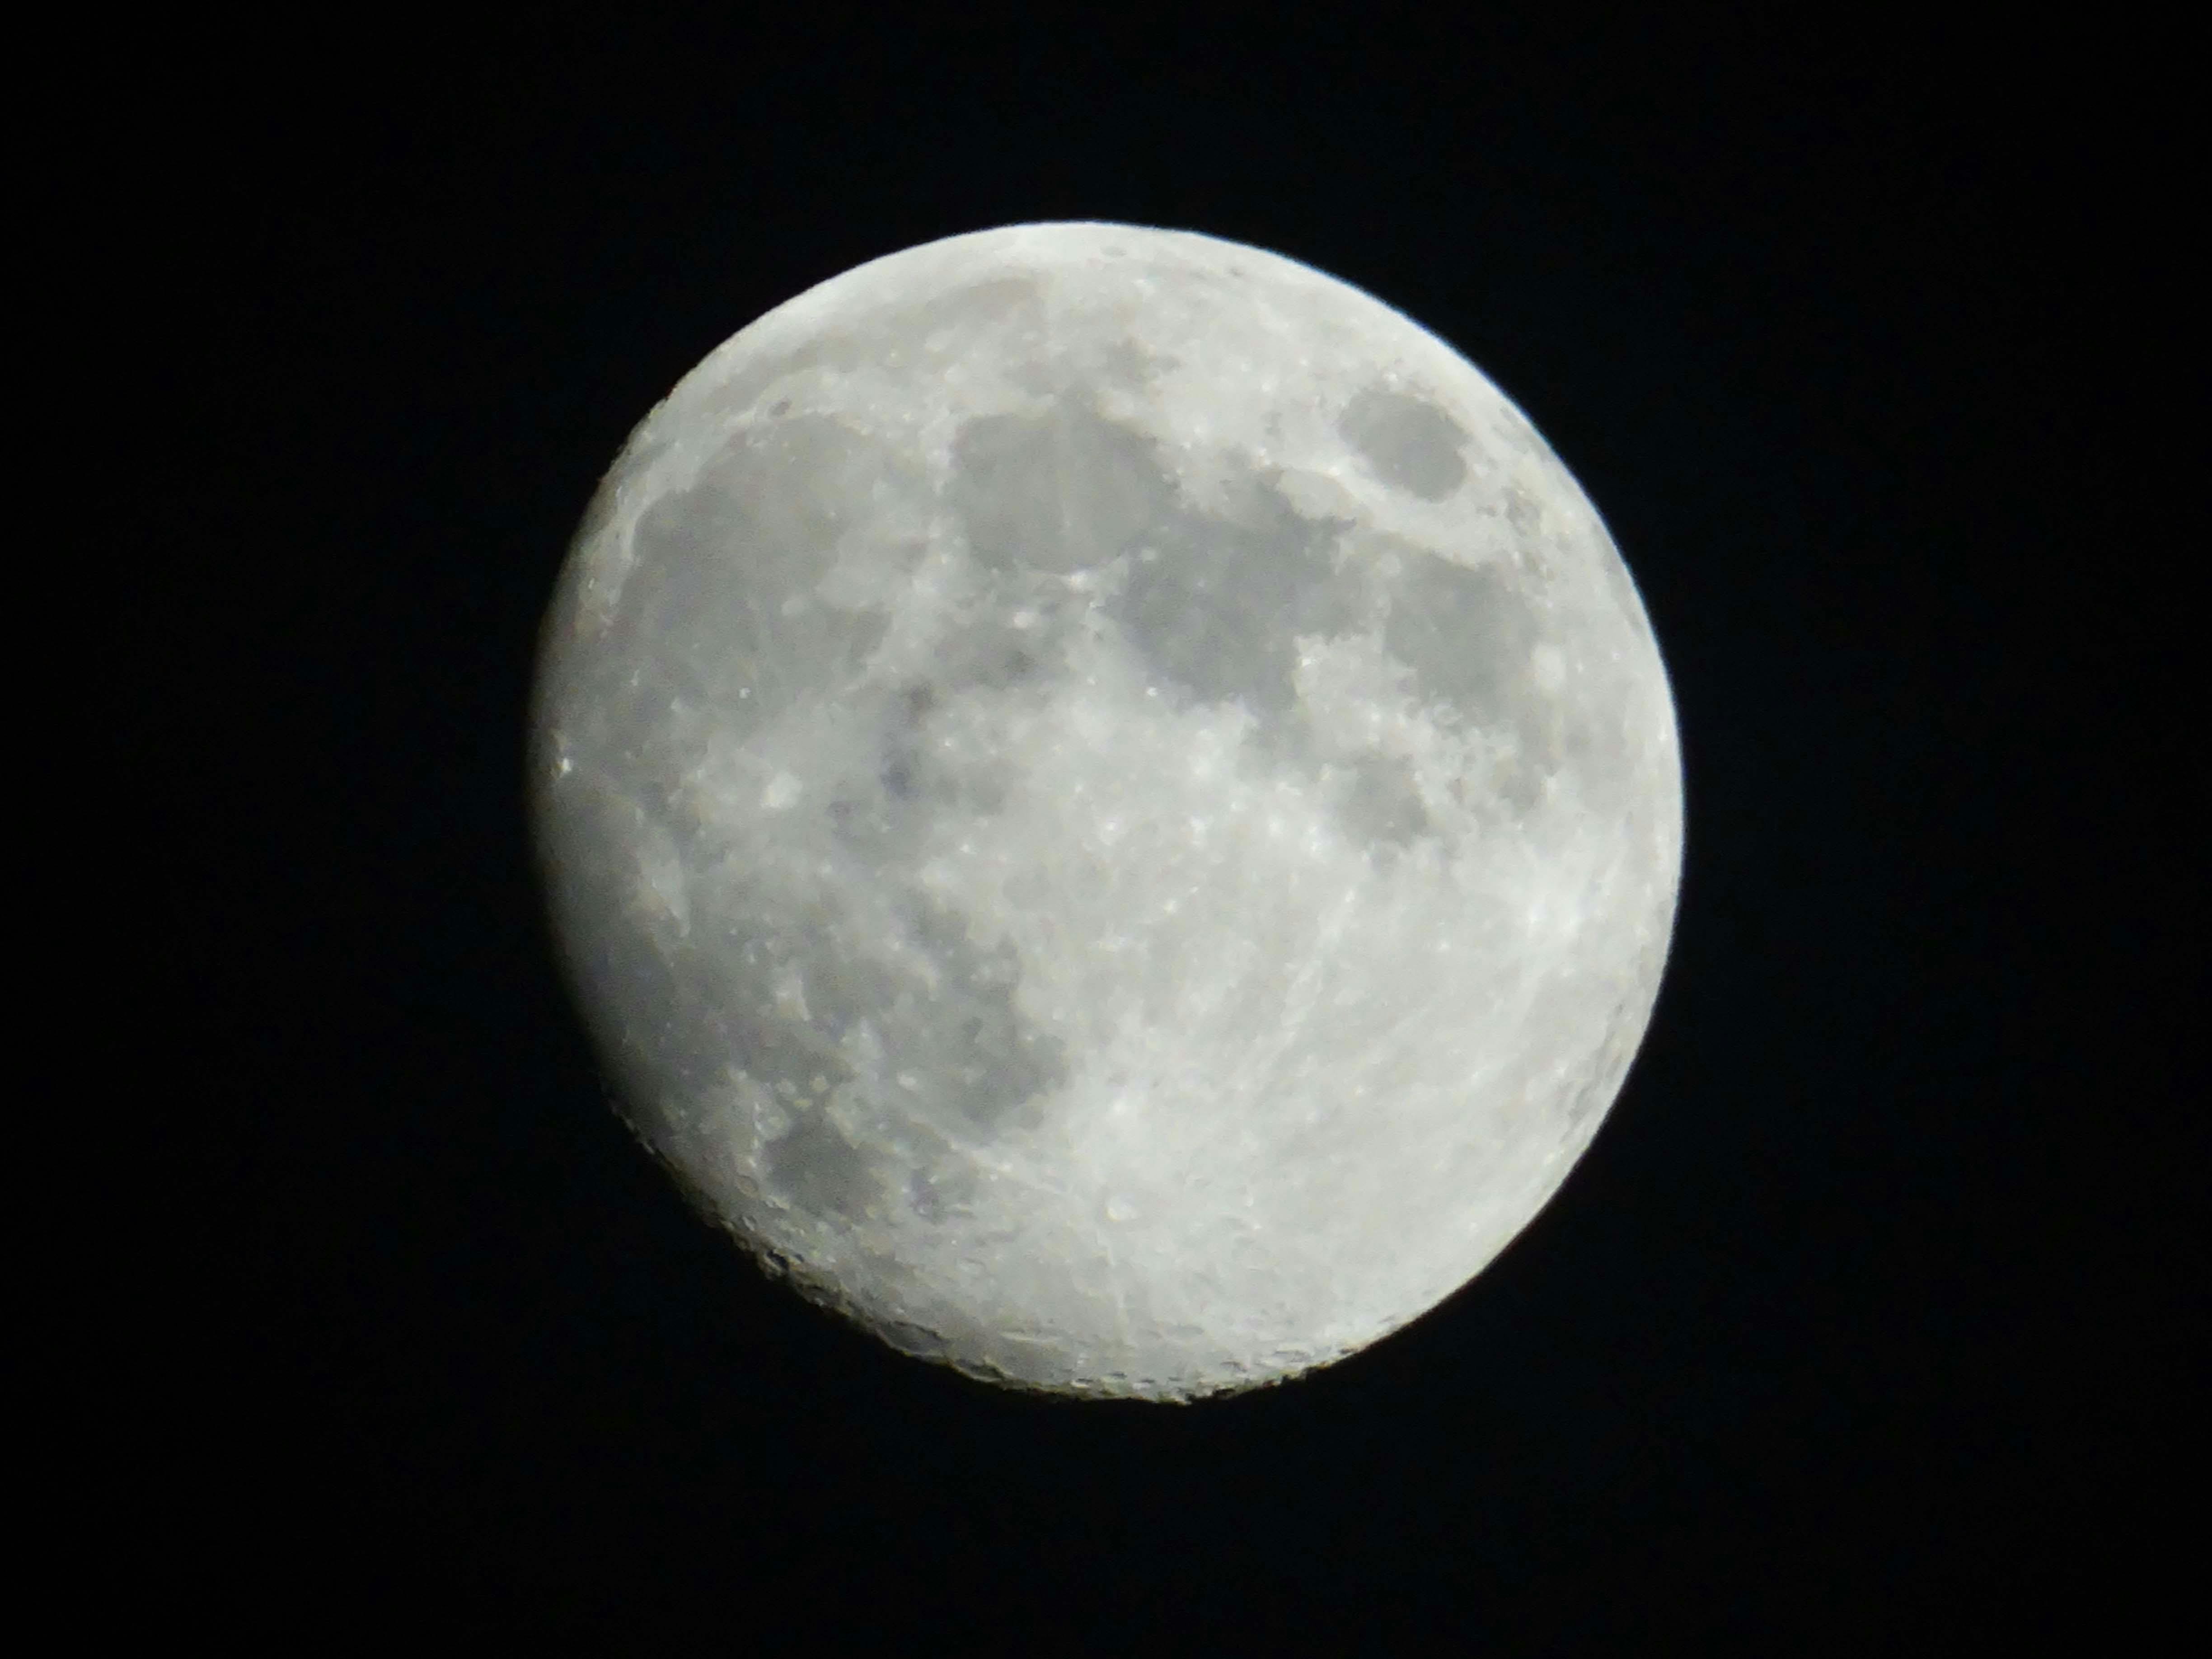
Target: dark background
x,y
1861,1321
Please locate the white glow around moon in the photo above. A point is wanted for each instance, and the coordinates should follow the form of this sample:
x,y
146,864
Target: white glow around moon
x,y
1112,807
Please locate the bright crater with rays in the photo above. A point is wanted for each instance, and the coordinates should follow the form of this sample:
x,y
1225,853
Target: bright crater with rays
x,y
1112,808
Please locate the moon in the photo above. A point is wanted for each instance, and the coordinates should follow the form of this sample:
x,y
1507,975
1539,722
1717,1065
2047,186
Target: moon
x,y
1112,809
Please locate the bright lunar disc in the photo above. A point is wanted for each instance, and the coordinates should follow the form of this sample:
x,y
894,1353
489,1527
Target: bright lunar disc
x,y
1112,808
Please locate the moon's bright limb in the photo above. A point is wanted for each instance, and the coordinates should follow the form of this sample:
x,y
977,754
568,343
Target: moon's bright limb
x,y
1113,808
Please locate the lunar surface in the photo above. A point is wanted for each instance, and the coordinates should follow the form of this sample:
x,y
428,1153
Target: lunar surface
x,y
1112,808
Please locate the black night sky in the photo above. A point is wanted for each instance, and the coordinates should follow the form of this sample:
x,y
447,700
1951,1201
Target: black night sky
x,y
1858,1325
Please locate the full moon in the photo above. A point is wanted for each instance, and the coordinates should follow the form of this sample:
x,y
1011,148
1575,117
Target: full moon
x,y
1112,809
